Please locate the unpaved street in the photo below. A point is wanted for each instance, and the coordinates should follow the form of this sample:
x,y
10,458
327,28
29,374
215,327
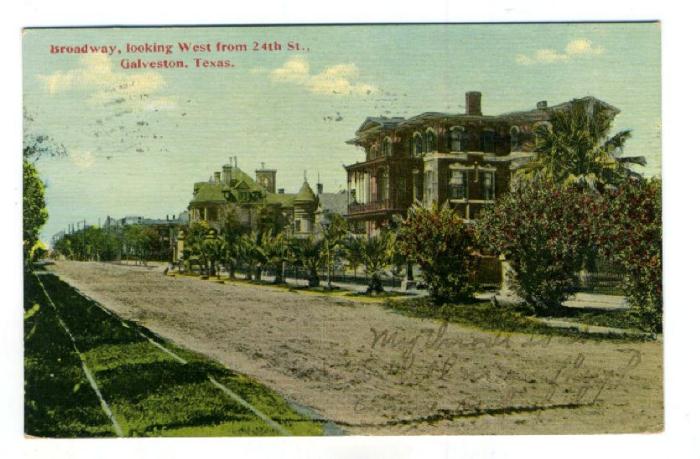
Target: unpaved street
x,y
373,371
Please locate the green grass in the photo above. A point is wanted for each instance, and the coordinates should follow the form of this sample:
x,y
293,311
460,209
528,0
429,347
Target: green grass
x,y
508,319
150,392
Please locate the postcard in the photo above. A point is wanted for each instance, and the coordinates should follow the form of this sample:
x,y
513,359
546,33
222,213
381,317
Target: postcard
x,y
314,230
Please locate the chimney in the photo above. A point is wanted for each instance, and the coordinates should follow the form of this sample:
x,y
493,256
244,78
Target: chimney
x,y
473,103
319,188
217,177
280,190
227,174
542,105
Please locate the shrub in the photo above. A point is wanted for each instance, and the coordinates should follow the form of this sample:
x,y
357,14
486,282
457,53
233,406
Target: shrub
x,y
543,231
443,245
628,230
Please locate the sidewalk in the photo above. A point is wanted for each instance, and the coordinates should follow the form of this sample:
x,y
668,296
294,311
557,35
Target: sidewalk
x,y
579,300
300,282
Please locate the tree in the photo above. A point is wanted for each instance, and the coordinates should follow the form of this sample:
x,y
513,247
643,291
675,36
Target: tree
x,y
212,252
34,211
275,250
257,256
444,247
543,230
352,252
376,256
628,230
270,218
307,253
231,232
576,147
333,229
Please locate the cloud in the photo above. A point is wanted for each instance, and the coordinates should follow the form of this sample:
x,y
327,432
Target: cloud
x,y
573,49
340,79
82,159
96,74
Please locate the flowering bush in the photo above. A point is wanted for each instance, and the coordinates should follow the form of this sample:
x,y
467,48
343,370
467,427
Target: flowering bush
x,y
628,230
443,245
542,229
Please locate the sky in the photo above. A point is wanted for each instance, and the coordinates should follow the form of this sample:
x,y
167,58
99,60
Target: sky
x,y
138,139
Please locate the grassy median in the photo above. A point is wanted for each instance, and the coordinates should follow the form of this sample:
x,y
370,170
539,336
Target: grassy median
x,y
150,392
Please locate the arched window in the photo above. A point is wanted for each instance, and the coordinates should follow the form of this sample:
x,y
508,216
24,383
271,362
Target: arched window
x,y
430,141
458,139
386,146
417,147
514,138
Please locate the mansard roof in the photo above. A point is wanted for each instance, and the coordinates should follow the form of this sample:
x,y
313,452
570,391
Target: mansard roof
x,y
208,192
373,125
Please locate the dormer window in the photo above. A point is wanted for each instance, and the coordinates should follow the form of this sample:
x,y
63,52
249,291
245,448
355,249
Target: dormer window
x,y
458,139
514,138
417,146
430,141
488,141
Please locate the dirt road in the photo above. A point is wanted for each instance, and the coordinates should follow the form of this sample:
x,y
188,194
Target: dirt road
x,y
373,371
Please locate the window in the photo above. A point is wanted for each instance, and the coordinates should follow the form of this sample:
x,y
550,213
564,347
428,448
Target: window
x,y
488,186
488,141
297,226
386,146
373,151
459,185
417,146
382,185
514,138
428,186
417,186
430,141
401,191
458,139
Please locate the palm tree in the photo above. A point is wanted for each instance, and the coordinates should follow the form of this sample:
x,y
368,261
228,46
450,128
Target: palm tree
x,y
256,256
231,232
376,255
245,247
576,147
307,253
275,249
352,252
333,228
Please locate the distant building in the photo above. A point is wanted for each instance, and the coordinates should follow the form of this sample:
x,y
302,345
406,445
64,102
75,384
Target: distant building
x,y
466,159
169,220
167,229
232,190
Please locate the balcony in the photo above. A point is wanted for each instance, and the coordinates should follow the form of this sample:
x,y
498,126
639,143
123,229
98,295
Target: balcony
x,y
369,207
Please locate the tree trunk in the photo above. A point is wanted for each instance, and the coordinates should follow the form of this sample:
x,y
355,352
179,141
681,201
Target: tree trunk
x,y
231,271
258,273
279,274
375,285
313,279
